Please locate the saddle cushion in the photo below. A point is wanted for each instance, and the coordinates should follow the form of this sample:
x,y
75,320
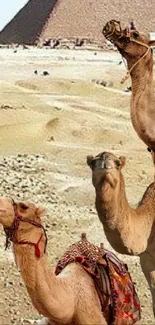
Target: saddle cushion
x,y
111,278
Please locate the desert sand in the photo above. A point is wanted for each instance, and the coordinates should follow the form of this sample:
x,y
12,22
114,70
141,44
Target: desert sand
x,y
48,125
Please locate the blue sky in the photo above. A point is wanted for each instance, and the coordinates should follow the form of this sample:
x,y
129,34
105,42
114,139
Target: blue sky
x,y
8,9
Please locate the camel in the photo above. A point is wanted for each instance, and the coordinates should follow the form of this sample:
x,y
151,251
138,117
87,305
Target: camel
x,y
70,297
135,47
69,294
129,231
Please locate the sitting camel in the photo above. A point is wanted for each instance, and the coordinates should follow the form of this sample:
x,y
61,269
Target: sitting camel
x,y
70,297
129,231
135,47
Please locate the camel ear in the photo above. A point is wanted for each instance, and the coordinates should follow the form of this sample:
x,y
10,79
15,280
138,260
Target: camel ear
x,y
122,160
152,43
89,161
40,212
23,206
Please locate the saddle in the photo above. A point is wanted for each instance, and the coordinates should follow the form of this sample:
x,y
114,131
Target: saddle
x,y
111,278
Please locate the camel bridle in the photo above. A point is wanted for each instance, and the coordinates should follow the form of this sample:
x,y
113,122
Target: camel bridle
x,y
128,73
113,29
113,32
11,232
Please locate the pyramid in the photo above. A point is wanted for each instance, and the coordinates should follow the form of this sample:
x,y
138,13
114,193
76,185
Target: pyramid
x,y
40,20
28,23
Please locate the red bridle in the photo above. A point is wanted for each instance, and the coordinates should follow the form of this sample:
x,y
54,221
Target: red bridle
x,y
11,232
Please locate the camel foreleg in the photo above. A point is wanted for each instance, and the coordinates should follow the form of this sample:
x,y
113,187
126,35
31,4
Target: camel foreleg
x,y
147,263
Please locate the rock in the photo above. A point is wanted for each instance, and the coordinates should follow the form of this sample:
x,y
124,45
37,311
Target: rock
x,y
45,73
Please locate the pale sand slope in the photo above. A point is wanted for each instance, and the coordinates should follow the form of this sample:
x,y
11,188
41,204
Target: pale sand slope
x,y
64,116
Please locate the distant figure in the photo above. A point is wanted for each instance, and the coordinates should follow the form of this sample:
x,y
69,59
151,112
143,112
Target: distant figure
x,y
47,42
35,72
79,42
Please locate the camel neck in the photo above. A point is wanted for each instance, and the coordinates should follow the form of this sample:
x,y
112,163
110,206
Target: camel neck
x,y
40,281
142,75
122,223
109,202
142,101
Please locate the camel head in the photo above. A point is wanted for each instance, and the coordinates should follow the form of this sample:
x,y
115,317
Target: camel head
x,y
105,167
130,43
10,210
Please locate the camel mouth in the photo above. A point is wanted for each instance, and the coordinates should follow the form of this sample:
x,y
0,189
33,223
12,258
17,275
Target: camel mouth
x,y
101,163
105,162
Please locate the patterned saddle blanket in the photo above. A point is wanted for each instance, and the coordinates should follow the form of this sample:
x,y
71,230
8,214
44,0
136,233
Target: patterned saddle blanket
x,y
111,278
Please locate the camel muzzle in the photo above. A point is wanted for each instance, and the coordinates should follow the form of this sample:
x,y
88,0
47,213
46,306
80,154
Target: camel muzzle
x,y
102,162
11,232
113,31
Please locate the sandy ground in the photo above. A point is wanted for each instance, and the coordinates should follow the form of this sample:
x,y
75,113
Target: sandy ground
x,y
48,125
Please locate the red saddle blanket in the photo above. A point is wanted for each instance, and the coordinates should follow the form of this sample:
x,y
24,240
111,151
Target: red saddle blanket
x,y
111,277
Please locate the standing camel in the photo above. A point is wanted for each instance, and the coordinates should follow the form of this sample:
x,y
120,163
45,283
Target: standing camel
x,y
135,47
129,231
70,295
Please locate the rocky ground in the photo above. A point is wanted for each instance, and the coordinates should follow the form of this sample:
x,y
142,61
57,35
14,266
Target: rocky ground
x,y
48,125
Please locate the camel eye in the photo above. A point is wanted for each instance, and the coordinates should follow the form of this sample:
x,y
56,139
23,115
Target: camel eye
x,y
23,206
135,34
118,163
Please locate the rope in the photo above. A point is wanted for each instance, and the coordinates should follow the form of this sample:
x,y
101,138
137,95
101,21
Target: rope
x,y
111,32
129,71
11,232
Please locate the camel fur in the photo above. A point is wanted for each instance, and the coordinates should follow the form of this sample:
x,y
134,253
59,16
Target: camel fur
x,y
129,231
135,47
69,298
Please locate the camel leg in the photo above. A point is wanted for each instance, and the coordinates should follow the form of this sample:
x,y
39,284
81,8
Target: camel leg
x,y
147,263
153,158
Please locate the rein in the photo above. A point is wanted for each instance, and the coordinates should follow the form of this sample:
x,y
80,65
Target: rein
x,y
11,233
